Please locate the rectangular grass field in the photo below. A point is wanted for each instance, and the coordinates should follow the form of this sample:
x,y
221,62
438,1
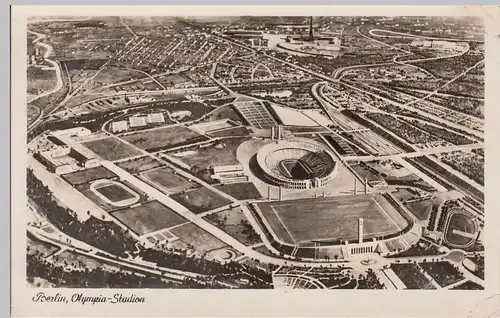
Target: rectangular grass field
x,y
168,180
115,193
218,154
148,217
164,137
332,218
111,149
200,200
139,164
195,236
240,191
88,175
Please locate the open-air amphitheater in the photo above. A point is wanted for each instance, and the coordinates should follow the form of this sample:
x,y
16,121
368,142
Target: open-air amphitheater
x,y
297,163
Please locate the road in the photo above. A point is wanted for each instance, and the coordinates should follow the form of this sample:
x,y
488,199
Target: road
x,y
413,36
423,152
259,65
69,95
419,111
338,73
329,79
446,84
62,240
128,28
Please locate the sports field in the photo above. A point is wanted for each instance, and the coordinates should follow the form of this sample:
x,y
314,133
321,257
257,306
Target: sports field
x,y
331,218
157,139
200,200
168,180
240,191
115,192
111,148
139,164
148,217
87,175
218,154
195,236
461,230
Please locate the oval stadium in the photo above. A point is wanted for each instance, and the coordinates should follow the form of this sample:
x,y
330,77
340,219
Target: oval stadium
x,y
297,163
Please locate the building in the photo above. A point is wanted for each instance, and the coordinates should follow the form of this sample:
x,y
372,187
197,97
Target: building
x,y
64,140
72,132
229,174
181,114
58,160
421,43
443,45
84,157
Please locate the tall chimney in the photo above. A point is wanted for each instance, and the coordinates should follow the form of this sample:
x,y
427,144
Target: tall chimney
x,y
355,186
269,194
366,185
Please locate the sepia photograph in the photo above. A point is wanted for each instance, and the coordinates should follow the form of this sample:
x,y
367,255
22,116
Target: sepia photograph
x,y
255,152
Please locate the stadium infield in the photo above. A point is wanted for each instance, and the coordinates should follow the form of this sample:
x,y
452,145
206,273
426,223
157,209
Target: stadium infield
x,y
114,192
460,230
331,219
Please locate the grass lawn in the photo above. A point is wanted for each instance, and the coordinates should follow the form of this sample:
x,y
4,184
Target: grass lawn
x,y
111,148
148,217
166,178
262,249
40,79
223,112
421,209
468,285
331,218
235,223
411,275
35,246
140,164
231,132
218,154
88,175
111,75
240,191
81,262
200,200
156,139
367,172
198,238
442,272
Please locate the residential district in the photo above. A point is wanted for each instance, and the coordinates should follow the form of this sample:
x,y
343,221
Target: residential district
x,y
255,152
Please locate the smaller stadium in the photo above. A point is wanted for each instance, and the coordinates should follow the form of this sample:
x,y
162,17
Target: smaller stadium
x,y
297,163
114,193
461,229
